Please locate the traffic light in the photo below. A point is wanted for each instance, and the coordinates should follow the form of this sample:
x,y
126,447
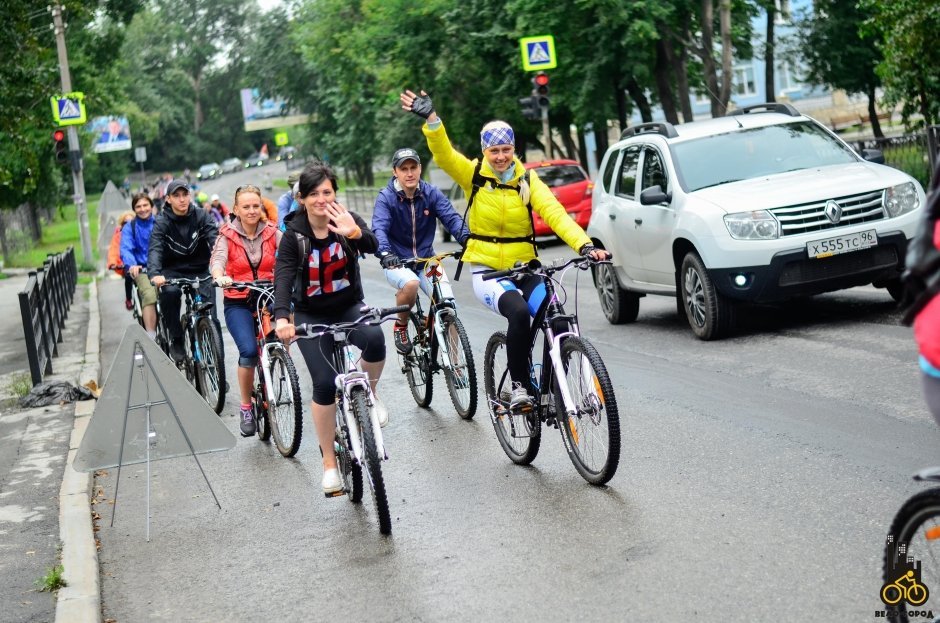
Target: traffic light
x,y
61,147
530,107
540,90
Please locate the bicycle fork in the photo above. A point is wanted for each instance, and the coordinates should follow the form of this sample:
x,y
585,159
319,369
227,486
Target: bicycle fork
x,y
344,385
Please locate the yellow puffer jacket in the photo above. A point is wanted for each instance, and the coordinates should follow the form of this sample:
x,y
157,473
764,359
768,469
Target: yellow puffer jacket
x,y
499,212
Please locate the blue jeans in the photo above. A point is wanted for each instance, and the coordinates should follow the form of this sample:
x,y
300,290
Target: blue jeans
x,y
242,326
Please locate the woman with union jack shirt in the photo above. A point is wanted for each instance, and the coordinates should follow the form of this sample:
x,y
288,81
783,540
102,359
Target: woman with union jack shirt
x,y
317,270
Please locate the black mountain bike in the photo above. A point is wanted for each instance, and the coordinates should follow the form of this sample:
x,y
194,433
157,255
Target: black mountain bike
x,y
358,440
275,398
439,343
571,386
204,364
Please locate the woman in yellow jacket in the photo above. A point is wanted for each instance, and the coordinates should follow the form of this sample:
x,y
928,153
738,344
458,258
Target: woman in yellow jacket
x,y
500,191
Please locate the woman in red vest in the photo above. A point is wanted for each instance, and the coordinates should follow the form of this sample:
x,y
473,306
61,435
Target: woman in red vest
x,y
244,251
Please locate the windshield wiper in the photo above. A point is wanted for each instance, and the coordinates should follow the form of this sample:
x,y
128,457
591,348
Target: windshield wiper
x,y
728,181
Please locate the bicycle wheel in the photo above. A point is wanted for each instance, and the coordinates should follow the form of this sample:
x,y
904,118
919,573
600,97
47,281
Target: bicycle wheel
x,y
916,528
373,463
285,410
592,433
210,365
417,363
520,434
460,375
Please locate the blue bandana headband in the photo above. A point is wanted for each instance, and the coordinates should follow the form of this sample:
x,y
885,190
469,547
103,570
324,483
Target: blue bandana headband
x,y
497,136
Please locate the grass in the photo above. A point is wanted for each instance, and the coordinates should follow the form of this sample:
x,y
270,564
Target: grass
x,y
53,580
58,235
20,385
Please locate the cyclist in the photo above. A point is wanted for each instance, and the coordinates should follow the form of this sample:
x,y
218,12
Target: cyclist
x,y
244,251
135,242
501,195
114,257
317,270
404,220
287,202
180,245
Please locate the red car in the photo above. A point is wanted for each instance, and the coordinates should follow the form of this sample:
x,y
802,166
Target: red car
x,y
568,182
570,185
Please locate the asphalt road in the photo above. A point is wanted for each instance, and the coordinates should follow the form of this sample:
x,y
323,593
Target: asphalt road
x,y
757,481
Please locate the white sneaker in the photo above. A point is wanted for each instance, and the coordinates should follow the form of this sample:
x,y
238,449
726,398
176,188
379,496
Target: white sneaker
x,y
381,412
331,482
520,396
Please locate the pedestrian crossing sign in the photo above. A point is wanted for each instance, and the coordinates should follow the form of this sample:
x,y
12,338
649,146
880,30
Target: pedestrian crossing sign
x,y
538,53
68,108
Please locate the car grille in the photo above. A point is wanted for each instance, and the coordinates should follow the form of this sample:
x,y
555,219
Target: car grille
x,y
811,269
807,217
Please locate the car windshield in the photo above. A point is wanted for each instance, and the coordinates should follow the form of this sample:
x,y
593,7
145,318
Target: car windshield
x,y
756,152
561,175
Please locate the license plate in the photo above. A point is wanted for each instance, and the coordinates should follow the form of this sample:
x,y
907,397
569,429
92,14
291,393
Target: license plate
x,y
827,247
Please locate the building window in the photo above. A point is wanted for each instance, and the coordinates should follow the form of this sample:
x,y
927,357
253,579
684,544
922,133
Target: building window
x,y
784,78
743,83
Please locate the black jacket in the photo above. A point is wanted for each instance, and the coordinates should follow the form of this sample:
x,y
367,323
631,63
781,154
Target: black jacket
x,y
292,269
181,244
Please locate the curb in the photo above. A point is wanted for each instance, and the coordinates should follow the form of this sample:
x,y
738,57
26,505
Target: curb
x,y
80,600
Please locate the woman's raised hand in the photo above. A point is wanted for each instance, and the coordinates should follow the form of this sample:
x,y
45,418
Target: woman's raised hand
x,y
341,221
420,105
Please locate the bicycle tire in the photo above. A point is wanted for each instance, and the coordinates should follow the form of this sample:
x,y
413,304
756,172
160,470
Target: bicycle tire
x,y
263,427
523,447
462,383
597,418
285,414
350,472
373,462
417,363
908,527
210,369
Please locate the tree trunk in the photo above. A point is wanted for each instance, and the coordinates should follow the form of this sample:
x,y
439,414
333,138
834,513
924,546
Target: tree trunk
x,y
198,116
724,17
35,226
571,149
582,150
709,68
4,246
873,114
621,98
664,84
680,71
600,138
639,97
770,90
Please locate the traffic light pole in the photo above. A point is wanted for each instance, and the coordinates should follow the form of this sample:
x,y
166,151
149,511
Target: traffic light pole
x,y
75,153
547,133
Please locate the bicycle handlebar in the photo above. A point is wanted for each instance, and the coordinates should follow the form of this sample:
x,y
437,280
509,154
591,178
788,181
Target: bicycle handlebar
x,y
413,262
370,316
535,267
262,286
193,282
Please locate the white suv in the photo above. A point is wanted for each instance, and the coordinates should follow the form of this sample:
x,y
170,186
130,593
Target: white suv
x,y
763,205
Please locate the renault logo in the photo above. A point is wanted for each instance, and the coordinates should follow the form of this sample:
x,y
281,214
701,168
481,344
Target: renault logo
x,y
833,212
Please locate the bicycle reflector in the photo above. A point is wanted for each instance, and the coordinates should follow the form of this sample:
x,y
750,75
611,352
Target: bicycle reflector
x,y
933,533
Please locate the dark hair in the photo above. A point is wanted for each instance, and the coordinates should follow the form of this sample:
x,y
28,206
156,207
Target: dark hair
x,y
315,174
138,196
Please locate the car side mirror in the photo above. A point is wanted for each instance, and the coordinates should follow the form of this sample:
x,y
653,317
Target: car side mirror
x,y
873,155
654,195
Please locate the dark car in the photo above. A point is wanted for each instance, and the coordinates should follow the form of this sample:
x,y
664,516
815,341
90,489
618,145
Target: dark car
x,y
256,159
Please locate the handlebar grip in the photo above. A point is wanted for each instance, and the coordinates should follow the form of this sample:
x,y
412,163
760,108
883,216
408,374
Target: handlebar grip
x,y
388,311
496,274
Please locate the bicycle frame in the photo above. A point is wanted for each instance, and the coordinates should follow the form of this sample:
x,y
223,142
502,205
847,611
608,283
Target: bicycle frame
x,y
265,347
438,308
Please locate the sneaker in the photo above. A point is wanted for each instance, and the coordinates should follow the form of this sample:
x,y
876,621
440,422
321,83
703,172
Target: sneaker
x,y
402,343
177,352
331,483
381,413
129,304
520,396
247,425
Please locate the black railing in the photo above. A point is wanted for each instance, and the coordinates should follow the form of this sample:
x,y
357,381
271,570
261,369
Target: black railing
x,y
910,153
44,305
360,200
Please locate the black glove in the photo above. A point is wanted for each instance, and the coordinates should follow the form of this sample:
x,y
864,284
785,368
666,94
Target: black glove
x,y
422,106
389,260
586,249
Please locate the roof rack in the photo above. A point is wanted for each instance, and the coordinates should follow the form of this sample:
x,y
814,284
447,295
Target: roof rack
x,y
663,128
783,109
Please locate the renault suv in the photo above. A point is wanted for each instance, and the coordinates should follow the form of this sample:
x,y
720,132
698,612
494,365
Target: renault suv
x,y
763,205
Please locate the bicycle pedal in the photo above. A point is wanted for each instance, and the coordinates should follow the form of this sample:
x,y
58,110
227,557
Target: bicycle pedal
x,y
335,494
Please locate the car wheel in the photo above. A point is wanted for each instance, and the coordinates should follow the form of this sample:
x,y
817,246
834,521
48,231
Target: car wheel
x,y
619,306
710,314
895,288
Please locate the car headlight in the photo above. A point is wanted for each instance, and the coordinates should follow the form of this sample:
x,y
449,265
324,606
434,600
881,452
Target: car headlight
x,y
756,225
901,199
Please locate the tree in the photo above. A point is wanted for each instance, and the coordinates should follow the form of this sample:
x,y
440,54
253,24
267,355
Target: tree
x,y
836,55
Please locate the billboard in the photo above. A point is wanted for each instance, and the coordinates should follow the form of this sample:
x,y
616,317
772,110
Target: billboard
x,y
111,133
265,113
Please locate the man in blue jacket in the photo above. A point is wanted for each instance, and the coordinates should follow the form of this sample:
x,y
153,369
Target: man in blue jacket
x,y
135,242
404,221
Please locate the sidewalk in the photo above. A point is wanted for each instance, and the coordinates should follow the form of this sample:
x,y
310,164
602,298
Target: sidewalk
x,y
44,510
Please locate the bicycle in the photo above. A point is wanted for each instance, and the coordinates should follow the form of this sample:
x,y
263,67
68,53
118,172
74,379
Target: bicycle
x,y
275,398
913,539
358,441
204,364
431,352
570,383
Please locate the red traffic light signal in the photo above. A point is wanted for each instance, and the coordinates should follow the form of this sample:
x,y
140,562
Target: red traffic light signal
x,y
61,148
540,90
541,79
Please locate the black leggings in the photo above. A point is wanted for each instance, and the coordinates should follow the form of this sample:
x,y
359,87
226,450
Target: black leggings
x,y
128,286
514,307
318,352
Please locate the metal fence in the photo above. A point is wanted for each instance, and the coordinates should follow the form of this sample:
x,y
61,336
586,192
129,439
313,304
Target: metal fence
x,y
360,200
915,154
44,305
